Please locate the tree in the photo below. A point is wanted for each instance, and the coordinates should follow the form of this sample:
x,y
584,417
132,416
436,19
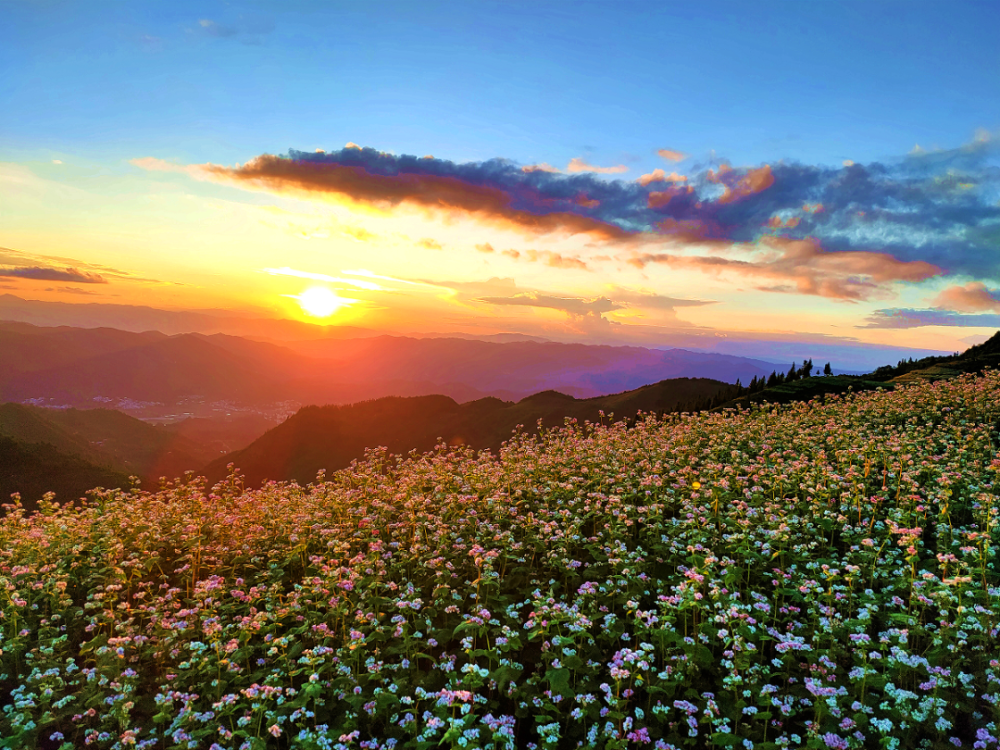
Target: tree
x,y
827,370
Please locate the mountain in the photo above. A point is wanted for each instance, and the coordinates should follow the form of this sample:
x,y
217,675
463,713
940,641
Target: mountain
x,y
519,368
106,438
84,367
32,469
330,437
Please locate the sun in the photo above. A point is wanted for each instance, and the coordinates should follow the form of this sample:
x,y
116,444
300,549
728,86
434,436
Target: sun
x,y
320,302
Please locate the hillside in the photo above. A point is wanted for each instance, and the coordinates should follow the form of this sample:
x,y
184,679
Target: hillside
x,y
973,360
813,575
33,469
106,437
330,437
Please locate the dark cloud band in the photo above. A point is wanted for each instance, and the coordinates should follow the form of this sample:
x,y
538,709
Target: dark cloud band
x,y
38,273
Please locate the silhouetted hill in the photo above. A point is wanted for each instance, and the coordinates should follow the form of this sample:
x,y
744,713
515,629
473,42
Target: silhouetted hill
x,y
974,359
107,438
32,469
330,437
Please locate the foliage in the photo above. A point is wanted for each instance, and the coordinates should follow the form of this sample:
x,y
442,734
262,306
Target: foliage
x,y
819,575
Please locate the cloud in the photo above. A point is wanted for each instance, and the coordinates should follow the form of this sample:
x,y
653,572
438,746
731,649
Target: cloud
x,y
543,167
906,318
575,306
660,198
973,297
488,191
68,290
579,165
430,244
555,260
152,164
38,273
671,155
658,175
365,273
652,300
938,208
739,186
359,234
58,268
485,247
286,271
804,267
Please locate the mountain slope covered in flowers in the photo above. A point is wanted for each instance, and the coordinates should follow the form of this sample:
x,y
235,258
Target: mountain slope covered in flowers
x,y
818,574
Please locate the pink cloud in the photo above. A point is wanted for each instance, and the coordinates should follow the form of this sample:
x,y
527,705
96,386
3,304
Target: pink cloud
x,y
660,198
804,267
579,165
543,167
972,297
736,188
658,175
671,155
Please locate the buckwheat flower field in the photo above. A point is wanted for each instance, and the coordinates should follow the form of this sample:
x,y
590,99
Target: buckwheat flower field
x,y
819,575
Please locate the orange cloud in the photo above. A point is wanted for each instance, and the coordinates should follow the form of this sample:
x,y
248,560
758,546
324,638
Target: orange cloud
x,y
579,165
658,175
803,266
543,167
549,258
430,244
486,247
812,208
555,260
431,192
776,222
583,200
671,155
658,199
754,181
972,297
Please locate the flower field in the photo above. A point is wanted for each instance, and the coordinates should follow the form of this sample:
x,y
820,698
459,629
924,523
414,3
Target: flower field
x,y
818,575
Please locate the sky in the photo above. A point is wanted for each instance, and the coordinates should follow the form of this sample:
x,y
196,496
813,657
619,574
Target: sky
x,y
702,174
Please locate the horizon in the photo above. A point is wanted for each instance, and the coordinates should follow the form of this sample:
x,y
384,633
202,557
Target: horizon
x,y
721,178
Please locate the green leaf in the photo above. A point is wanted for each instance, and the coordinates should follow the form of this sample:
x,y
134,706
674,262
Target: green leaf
x,y
559,681
725,739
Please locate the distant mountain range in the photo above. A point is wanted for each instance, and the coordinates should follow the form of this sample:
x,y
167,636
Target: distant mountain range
x,y
90,366
847,354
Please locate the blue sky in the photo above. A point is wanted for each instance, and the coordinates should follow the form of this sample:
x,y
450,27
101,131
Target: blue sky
x,y
827,171
816,82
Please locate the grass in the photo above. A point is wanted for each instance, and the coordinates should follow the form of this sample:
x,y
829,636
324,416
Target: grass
x,y
819,575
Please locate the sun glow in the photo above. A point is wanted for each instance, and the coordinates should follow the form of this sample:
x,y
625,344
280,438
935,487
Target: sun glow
x,y
320,302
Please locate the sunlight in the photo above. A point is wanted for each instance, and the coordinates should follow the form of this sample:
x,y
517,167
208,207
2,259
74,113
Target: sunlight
x,y
320,302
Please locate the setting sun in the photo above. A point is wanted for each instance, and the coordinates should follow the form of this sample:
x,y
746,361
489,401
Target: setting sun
x,y
320,302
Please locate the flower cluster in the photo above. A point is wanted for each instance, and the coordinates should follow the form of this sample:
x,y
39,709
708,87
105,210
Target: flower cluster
x,y
818,574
